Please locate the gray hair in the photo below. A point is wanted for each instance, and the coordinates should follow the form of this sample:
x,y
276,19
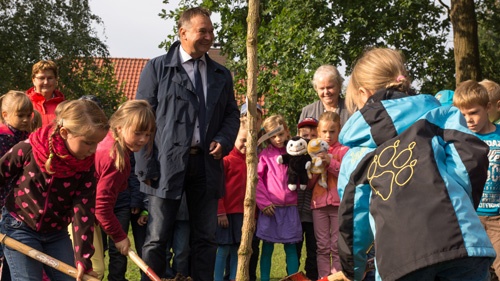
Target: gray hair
x,y
329,71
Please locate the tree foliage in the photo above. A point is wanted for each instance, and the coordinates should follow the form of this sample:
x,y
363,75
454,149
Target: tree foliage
x,y
417,28
297,36
59,30
488,17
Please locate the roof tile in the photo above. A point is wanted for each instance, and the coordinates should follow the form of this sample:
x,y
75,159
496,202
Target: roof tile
x,y
127,72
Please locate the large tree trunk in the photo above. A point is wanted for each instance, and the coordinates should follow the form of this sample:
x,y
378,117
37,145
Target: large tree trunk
x,y
465,40
245,250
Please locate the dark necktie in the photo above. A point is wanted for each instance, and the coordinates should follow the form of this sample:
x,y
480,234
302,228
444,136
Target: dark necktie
x,y
198,83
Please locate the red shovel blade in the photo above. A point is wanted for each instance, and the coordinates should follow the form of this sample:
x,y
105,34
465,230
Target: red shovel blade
x,y
299,276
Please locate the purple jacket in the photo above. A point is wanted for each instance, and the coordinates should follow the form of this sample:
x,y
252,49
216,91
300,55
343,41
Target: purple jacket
x,y
272,187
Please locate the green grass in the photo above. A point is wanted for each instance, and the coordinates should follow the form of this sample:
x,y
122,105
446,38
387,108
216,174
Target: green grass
x,y
278,266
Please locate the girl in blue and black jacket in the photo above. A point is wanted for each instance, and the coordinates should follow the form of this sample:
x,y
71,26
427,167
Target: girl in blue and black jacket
x,y
410,182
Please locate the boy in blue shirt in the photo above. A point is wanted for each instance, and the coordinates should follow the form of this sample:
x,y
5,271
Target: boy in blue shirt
x,y
472,100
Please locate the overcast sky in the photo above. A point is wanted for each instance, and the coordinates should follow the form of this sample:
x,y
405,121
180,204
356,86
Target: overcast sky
x,y
132,28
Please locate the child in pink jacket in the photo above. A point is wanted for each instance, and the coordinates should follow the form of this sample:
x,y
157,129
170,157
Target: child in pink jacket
x,y
279,220
325,201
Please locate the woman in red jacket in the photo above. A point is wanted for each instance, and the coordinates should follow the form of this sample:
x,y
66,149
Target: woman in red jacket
x,y
43,94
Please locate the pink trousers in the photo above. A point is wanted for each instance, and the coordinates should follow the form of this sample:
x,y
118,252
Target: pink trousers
x,y
326,231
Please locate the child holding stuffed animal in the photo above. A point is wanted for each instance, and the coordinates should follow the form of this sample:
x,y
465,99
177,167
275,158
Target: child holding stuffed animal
x,y
307,128
279,220
325,201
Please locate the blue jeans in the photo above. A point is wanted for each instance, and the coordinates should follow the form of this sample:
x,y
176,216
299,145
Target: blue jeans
x,y
55,244
118,262
223,252
180,249
162,214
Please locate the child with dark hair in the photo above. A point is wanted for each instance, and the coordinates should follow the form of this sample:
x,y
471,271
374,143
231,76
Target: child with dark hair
x,y
307,128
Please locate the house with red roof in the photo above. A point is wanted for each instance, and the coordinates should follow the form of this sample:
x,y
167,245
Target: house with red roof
x,y
128,70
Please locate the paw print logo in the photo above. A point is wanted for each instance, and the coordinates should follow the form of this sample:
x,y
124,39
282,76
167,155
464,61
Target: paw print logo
x,y
393,167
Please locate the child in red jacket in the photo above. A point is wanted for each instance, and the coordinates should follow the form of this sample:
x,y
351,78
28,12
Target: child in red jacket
x,y
132,127
230,211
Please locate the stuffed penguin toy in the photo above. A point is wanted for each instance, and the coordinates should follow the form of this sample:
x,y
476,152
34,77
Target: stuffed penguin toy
x,y
297,160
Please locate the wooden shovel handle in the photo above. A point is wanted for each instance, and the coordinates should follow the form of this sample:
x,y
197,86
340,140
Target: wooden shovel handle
x,y
143,266
43,258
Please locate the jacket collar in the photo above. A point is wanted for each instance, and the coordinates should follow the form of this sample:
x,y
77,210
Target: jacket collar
x,y
236,153
216,76
173,59
385,115
37,97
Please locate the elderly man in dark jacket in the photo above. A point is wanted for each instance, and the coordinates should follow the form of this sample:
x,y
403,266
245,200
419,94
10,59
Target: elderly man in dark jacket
x,y
197,122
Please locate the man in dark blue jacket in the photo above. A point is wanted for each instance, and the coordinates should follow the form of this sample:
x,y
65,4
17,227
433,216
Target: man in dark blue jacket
x,y
197,121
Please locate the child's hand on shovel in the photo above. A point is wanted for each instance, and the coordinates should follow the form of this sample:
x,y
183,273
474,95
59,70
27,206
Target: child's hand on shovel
x,y
123,246
81,272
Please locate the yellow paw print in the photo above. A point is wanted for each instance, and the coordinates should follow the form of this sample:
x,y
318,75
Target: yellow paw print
x,y
391,166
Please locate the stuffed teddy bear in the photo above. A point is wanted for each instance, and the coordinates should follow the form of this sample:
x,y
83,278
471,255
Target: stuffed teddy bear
x,y
297,160
314,148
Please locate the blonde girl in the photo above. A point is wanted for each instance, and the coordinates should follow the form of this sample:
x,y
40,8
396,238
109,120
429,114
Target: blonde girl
x,y
325,201
132,128
278,220
371,76
410,182
16,116
55,185
15,107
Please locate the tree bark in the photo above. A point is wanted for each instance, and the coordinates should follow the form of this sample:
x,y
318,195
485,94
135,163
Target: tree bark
x,y
248,229
465,40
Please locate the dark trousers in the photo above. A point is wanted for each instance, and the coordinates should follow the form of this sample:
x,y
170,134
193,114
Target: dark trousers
x,y
310,266
118,262
5,270
202,208
254,258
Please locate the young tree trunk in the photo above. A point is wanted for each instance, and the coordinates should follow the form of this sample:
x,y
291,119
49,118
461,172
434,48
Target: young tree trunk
x,y
465,40
248,229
